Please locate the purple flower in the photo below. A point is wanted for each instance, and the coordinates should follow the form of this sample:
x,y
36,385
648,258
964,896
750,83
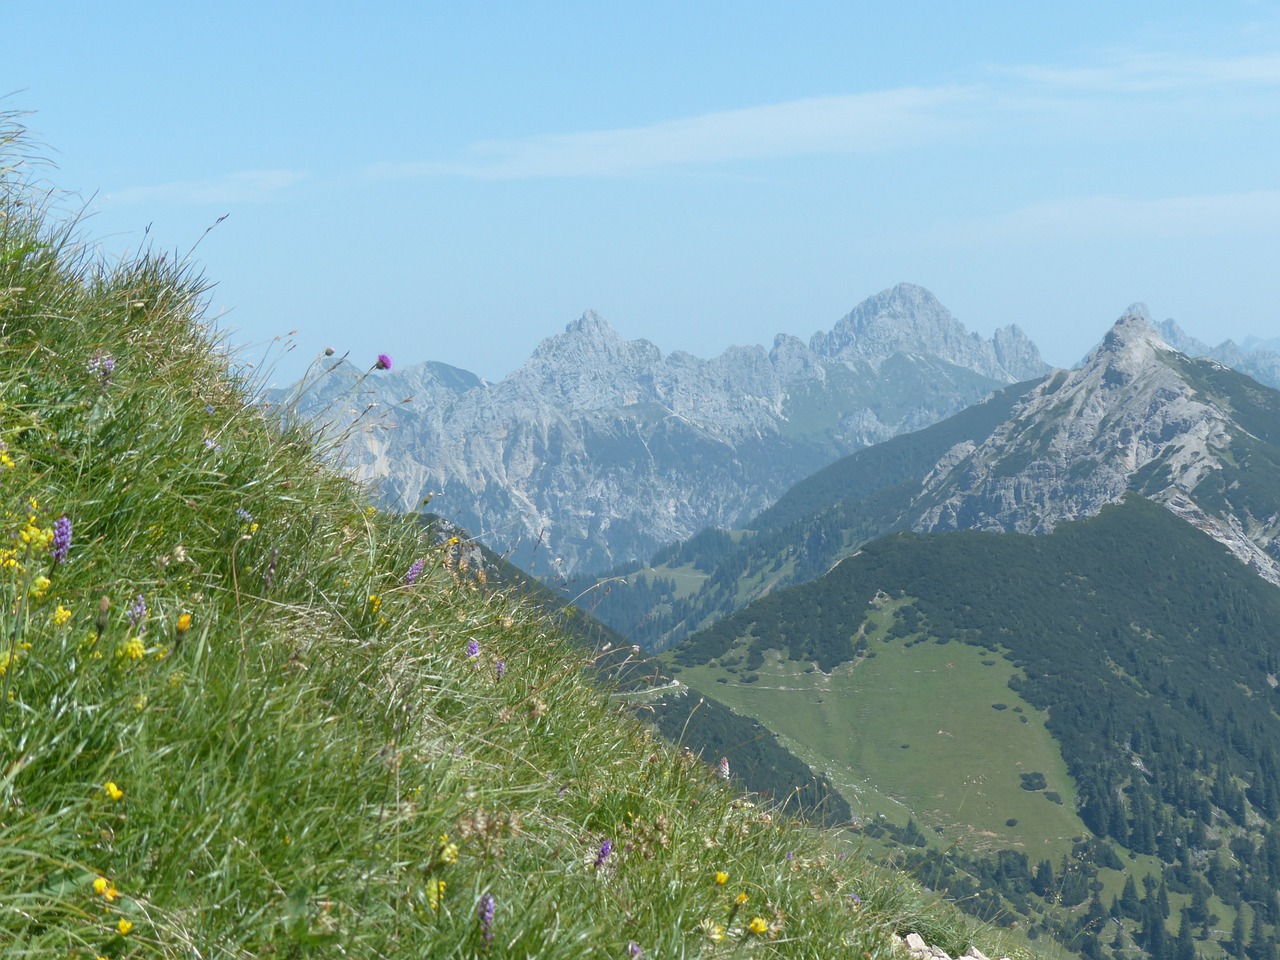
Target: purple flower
x,y
473,648
606,848
633,950
103,365
500,668
137,612
384,362
487,907
244,515
61,545
855,898
415,571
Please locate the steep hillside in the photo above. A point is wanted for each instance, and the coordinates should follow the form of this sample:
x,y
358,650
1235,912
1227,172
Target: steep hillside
x,y
599,451
244,714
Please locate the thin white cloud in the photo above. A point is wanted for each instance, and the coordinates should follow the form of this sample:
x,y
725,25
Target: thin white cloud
x,y
855,123
1105,218
248,186
1155,72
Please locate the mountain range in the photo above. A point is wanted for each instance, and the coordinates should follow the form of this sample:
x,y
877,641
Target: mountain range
x,y
600,450
1137,417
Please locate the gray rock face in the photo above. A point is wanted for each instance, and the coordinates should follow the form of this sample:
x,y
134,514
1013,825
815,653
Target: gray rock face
x,y
600,450
1136,416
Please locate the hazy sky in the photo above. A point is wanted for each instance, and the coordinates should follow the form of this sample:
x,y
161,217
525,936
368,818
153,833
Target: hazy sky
x,y
457,181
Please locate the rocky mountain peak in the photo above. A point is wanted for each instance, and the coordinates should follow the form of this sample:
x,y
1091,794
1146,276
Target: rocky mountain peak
x,y
1130,420
908,319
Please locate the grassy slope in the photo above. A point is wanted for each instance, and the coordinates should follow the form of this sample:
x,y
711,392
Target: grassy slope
x,y
912,731
319,764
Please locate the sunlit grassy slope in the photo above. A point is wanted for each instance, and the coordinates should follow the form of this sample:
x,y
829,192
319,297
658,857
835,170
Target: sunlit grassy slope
x,y
242,714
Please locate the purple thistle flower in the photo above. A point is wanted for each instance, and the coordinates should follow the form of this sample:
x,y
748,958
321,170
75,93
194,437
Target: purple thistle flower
x,y
487,907
473,648
500,668
61,545
384,362
606,848
137,612
415,571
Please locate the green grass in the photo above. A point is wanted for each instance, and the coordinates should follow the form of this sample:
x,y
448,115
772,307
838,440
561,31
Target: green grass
x,y
913,730
292,752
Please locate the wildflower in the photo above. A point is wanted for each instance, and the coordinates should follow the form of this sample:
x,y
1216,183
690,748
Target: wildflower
x,y
124,926
244,515
105,888
758,925
435,893
473,648
375,602
39,586
61,616
713,931
487,907
721,878
184,623
740,899
137,612
500,668
857,900
102,365
100,885
61,545
606,848
112,791
723,769
634,950
6,461
135,649
384,362
448,851
415,571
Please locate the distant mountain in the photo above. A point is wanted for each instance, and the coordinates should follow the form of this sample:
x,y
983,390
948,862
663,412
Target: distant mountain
x,y
1256,358
599,451
1138,416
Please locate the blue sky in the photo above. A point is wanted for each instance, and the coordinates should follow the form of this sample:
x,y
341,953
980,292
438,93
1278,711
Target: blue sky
x,y
455,182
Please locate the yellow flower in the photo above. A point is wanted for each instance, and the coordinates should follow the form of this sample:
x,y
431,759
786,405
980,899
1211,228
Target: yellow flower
x,y
741,898
135,649
375,602
435,893
184,623
39,586
124,926
6,461
721,878
758,925
100,885
61,616
112,791
448,851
